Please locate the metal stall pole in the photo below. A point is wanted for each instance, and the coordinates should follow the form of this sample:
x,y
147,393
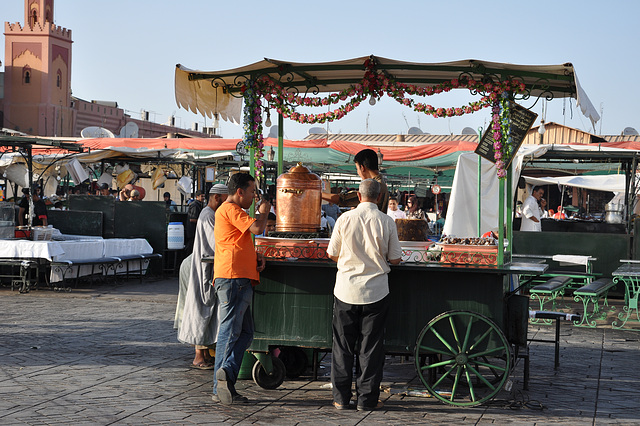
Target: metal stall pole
x,y
280,144
509,210
32,187
479,187
501,184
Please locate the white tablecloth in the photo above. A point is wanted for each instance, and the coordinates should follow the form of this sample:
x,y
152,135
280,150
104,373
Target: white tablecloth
x,y
81,249
126,246
25,249
73,250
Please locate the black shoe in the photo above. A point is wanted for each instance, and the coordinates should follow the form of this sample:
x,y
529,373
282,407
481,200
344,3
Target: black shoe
x,y
236,399
379,405
225,387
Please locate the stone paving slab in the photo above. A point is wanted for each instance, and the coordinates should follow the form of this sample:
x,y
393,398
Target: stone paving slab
x,y
109,355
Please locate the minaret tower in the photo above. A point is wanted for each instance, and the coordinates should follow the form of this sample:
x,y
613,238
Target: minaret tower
x,y
38,73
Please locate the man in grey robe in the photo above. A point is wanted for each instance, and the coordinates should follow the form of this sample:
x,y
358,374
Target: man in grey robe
x,y
199,325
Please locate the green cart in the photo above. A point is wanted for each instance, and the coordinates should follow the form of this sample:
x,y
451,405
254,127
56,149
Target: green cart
x,y
462,324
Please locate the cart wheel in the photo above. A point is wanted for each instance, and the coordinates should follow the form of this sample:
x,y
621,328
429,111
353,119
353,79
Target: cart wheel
x,y
269,381
462,358
295,361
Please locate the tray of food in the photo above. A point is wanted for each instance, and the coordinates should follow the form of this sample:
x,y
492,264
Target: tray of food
x,y
469,251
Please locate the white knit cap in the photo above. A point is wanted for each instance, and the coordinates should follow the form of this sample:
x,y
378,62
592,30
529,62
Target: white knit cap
x,y
219,188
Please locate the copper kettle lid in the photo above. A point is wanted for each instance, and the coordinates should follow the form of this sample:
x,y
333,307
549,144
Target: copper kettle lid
x,y
301,172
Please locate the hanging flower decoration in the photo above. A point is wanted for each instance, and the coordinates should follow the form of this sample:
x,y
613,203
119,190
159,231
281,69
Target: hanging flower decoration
x,y
252,125
375,84
502,144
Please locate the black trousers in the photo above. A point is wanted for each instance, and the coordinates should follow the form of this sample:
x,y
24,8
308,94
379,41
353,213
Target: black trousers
x,y
358,330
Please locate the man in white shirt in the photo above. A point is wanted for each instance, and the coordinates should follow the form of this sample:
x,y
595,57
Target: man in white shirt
x,y
531,211
362,242
393,209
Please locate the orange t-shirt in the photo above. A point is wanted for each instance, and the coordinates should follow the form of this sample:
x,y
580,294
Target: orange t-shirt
x,y
235,253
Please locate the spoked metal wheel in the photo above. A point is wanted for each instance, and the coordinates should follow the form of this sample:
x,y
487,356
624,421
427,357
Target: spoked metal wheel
x,y
463,358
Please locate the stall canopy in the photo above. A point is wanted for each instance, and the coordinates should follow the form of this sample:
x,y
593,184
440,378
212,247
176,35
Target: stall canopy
x,y
216,92
613,183
339,154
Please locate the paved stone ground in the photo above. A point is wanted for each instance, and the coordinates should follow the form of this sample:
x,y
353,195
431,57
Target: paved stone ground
x,y
108,355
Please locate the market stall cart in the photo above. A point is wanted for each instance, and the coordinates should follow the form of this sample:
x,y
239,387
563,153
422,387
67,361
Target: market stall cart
x,y
462,324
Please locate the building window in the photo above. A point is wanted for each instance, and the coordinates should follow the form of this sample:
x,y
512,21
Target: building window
x,y
26,75
58,80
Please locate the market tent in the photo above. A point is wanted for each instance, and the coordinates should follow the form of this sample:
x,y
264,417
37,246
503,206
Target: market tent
x,y
217,92
613,183
623,145
462,213
125,152
317,151
443,154
190,144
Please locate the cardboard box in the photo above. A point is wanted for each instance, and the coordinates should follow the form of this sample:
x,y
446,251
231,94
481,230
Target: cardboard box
x,y
42,234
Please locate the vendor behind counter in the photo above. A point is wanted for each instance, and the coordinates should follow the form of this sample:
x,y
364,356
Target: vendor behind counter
x,y
366,162
573,225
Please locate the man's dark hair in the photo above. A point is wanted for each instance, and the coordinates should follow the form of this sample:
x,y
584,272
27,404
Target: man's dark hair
x,y
367,158
536,188
271,216
239,181
393,198
166,194
199,193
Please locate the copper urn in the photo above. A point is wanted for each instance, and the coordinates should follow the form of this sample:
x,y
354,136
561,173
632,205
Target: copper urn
x,y
298,201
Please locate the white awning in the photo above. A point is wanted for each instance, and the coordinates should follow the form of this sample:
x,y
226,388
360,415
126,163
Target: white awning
x,y
202,91
613,183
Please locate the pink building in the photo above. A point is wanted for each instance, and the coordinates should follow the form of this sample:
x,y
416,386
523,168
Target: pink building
x,y
37,85
37,92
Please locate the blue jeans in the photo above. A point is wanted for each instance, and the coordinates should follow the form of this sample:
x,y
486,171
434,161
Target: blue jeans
x,y
236,325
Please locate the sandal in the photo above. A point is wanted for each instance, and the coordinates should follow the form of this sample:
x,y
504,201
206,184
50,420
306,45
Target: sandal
x,y
203,366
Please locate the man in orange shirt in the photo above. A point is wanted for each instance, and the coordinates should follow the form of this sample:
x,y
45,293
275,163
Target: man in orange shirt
x,y
236,270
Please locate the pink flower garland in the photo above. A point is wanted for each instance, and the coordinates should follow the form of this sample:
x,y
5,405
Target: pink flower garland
x,y
377,84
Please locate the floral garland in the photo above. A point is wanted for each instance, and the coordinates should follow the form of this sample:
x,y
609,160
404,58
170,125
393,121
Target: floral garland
x,y
375,84
252,125
500,124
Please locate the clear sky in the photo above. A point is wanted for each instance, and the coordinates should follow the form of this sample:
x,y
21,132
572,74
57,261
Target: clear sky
x,y
126,51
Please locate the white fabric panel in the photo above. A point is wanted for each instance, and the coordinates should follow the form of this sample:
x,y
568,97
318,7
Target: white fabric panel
x,y
584,103
461,220
613,183
76,171
199,96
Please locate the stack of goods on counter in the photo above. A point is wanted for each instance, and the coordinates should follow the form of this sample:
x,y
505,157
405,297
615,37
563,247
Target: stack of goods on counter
x,y
412,229
413,234
469,251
